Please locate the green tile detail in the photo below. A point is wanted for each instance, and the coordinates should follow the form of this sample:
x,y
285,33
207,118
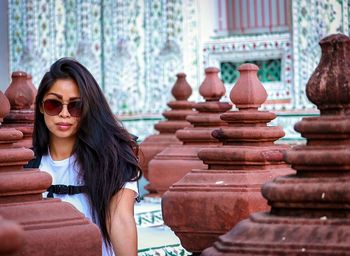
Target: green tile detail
x,y
168,250
148,219
269,70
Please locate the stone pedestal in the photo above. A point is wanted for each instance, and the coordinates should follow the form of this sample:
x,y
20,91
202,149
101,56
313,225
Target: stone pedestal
x,y
228,190
175,161
11,237
309,210
176,119
21,94
51,227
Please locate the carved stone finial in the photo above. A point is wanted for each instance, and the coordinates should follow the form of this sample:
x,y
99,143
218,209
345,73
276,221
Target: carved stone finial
x,y
329,85
212,87
181,89
19,92
4,106
173,162
235,170
310,209
180,108
248,91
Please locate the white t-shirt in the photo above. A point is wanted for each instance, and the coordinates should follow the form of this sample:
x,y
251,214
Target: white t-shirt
x,y
66,172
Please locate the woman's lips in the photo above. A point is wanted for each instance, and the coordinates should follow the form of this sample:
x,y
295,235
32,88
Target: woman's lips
x,y
63,126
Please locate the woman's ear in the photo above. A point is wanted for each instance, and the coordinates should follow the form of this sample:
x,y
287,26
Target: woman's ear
x,y
41,109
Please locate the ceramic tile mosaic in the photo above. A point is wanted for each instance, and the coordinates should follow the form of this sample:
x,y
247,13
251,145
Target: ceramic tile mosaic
x,y
313,20
171,250
257,47
149,219
133,48
298,48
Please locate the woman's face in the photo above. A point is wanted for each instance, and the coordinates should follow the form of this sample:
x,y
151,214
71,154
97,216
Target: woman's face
x,y
62,120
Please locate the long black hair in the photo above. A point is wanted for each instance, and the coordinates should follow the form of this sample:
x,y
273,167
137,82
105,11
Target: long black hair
x,y
103,148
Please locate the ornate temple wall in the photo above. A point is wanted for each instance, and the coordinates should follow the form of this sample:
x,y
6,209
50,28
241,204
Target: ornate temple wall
x,y
313,20
4,47
282,36
135,48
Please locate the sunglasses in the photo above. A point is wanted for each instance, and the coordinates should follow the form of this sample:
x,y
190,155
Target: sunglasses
x,y
53,107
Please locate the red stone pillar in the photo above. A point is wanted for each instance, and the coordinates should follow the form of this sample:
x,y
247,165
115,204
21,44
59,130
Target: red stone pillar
x,y
175,161
51,227
21,94
228,190
11,237
310,210
176,119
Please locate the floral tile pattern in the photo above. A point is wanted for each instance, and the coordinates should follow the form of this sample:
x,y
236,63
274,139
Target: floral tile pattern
x,y
133,48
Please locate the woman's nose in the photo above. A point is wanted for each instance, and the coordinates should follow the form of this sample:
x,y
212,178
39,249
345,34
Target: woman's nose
x,y
64,112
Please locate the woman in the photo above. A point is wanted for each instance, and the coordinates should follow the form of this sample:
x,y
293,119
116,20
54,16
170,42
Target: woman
x,y
88,153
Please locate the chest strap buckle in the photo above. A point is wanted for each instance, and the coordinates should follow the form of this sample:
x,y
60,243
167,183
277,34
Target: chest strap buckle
x,y
61,189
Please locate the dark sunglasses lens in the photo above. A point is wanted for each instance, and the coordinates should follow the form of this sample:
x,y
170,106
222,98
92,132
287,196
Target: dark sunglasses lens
x,y
52,107
74,108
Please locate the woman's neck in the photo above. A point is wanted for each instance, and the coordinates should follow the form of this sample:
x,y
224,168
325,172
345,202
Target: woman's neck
x,y
61,148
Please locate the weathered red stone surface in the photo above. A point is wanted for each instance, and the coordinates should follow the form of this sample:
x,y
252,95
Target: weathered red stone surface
x,y
176,119
51,227
175,161
21,94
309,210
228,190
11,237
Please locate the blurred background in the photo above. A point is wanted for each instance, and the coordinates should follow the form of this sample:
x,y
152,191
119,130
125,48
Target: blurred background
x,y
135,48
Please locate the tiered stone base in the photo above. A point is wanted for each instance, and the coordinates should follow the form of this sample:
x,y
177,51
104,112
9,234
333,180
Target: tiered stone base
x,y
263,234
49,224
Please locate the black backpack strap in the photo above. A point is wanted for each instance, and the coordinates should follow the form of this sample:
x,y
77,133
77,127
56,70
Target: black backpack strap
x,y
138,198
134,138
70,189
64,190
34,163
57,189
